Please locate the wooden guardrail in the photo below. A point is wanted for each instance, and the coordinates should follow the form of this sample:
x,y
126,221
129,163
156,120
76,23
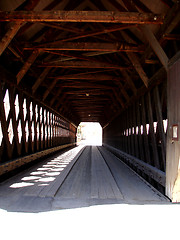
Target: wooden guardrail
x,y
156,174
16,163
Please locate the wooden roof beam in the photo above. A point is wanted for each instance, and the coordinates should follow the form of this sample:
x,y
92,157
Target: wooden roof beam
x,y
140,5
49,89
93,33
27,65
155,45
81,16
75,56
96,77
129,81
83,64
89,103
168,3
171,37
92,92
5,41
89,107
137,65
90,97
86,54
170,22
85,86
121,88
87,46
64,28
14,28
50,6
129,5
40,79
55,97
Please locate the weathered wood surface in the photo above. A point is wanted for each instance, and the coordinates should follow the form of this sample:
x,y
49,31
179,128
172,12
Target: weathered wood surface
x,y
83,64
156,46
16,163
173,146
81,16
86,46
79,177
151,171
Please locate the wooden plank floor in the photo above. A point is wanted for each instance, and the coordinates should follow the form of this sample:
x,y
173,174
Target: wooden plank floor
x,y
80,177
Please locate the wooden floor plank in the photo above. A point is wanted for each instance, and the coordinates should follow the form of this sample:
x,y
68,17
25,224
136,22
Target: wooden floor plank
x,y
133,187
48,183
105,181
94,176
53,187
74,182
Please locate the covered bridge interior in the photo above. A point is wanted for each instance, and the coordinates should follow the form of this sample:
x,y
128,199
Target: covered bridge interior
x,y
113,62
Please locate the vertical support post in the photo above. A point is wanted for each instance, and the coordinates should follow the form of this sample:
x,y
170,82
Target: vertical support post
x,y
146,142
29,142
135,135
173,140
140,140
151,132
127,127
4,125
160,128
35,126
24,145
14,122
131,137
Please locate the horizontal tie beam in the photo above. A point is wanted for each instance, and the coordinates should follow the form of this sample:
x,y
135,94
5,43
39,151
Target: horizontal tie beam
x,y
81,16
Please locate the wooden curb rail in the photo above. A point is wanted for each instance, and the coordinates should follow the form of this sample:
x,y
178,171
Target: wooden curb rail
x,y
156,174
16,163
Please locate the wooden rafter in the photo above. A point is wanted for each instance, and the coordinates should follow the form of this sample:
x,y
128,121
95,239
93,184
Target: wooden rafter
x,y
40,79
14,28
84,86
71,57
83,64
64,28
141,6
87,46
172,37
121,87
95,77
129,81
129,5
81,16
137,65
9,36
93,33
27,65
55,97
155,45
170,22
49,89
76,56
168,3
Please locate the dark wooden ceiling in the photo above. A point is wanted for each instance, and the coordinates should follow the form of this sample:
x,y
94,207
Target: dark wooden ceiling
x,y
88,59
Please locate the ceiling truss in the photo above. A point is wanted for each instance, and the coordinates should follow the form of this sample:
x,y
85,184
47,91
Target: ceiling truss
x,y
86,59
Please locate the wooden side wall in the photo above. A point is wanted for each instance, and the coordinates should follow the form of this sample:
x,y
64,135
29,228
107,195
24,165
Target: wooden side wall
x,y
27,126
173,145
140,130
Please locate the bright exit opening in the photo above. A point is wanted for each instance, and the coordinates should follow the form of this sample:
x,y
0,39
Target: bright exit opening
x,y
89,133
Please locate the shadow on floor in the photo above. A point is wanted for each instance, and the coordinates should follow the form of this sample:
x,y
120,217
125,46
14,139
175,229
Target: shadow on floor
x,y
37,189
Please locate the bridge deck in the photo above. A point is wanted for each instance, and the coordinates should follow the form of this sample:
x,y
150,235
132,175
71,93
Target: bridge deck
x,y
83,176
